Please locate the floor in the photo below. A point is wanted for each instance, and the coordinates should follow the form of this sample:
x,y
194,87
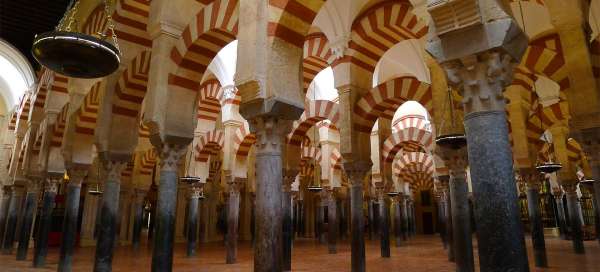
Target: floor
x,y
422,253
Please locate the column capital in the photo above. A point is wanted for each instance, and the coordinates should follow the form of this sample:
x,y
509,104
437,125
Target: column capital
x,y
170,156
532,177
194,192
270,133
356,170
456,160
111,170
77,174
570,188
51,185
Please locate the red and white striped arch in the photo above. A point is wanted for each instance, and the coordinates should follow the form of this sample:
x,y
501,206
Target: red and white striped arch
x,y
335,159
210,30
87,115
209,144
209,101
127,172
317,56
541,2
24,110
243,141
58,131
418,181
413,136
13,121
315,111
544,56
132,85
147,162
213,170
290,20
417,161
143,130
383,100
575,152
380,28
311,153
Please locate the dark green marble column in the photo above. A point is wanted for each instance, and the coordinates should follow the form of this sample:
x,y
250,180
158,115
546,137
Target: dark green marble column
x,y
45,221
356,172
27,223
69,227
11,220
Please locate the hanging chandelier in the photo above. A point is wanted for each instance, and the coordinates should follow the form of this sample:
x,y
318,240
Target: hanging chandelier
x,y
453,141
75,54
189,179
96,191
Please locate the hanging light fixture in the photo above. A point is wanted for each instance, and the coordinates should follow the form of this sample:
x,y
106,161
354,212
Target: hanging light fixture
x,y
189,179
393,194
453,141
76,54
316,186
548,167
97,190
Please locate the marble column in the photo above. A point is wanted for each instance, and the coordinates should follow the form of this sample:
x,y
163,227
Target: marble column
x,y
384,223
105,243
69,227
138,215
561,219
405,220
45,222
534,184
270,135
441,209
444,188
413,217
28,214
192,220
397,222
233,215
166,205
11,220
4,210
455,159
574,207
286,209
483,77
591,146
319,218
371,216
356,172
332,221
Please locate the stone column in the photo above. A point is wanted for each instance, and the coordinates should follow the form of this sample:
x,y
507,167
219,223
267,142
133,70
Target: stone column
x,y
455,159
356,171
444,188
413,217
398,222
319,218
138,214
384,223
560,217
192,220
233,215
4,210
69,227
268,250
166,204
483,77
591,146
534,183
441,208
11,220
286,209
45,221
28,214
332,221
371,216
105,243
574,219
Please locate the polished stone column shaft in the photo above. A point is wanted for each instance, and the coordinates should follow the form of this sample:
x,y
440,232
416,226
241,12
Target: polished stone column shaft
x,y
105,243
445,180
138,214
166,205
11,221
69,228
45,221
356,172
268,250
574,219
287,233
397,223
27,223
384,224
233,213
441,208
371,216
332,222
4,211
560,216
591,147
461,225
405,219
192,221
537,227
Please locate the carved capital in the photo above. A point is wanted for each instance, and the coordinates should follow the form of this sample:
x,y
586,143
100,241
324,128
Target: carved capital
x,y
111,170
482,79
76,175
456,160
531,177
270,134
51,185
170,156
194,192
570,188
357,170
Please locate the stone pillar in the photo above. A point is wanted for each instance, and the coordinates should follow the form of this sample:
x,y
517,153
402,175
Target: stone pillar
x,y
4,210
332,221
404,211
286,208
444,188
441,219
164,232
413,217
591,146
108,214
455,159
574,219
233,215
138,214
534,183
45,221
28,214
268,250
11,220
319,217
560,217
356,172
192,220
69,227
398,222
483,77
371,216
384,223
